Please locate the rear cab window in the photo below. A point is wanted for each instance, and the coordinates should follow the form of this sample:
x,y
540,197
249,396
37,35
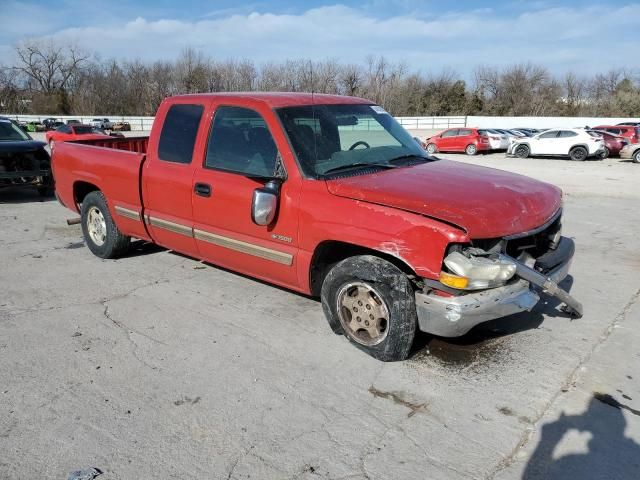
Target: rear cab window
x,y
179,132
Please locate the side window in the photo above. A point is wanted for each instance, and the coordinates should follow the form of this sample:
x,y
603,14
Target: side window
x,y
567,133
178,135
450,133
464,133
240,142
550,134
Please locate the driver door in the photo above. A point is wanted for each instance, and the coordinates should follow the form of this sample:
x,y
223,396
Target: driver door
x,y
240,156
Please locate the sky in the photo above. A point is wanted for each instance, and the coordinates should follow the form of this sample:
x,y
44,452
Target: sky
x,y
427,35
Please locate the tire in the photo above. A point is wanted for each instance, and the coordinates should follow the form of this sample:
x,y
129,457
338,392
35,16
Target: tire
x,y
471,149
522,151
431,148
100,232
578,154
384,294
52,144
636,156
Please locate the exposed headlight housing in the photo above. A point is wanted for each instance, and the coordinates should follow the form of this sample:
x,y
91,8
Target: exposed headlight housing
x,y
476,272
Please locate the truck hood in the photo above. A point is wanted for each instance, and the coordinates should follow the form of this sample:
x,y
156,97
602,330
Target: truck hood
x,y
485,202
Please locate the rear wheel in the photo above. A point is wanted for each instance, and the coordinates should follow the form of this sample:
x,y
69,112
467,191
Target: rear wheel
x,y
100,231
522,151
578,154
52,144
431,148
371,302
636,156
471,149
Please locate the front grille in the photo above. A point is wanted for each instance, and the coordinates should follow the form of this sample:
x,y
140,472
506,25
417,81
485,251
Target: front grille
x,y
535,244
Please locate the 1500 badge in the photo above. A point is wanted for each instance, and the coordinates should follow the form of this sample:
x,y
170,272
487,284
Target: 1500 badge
x,y
282,238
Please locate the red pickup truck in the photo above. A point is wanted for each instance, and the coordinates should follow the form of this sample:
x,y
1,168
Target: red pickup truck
x,y
329,196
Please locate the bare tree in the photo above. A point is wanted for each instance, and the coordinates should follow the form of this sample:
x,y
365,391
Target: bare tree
x,y
47,65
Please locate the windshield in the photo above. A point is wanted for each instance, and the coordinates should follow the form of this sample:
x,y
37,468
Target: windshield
x,y
10,132
332,137
83,130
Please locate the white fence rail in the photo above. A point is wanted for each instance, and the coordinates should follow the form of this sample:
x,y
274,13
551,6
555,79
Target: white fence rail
x,y
410,123
137,123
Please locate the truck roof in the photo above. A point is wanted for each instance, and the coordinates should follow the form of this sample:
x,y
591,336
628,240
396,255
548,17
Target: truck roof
x,y
281,99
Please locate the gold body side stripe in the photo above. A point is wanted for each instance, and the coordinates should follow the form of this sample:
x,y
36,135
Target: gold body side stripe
x,y
127,213
172,227
244,247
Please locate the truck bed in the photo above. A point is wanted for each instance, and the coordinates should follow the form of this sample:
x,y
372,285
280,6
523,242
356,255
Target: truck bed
x,y
112,166
130,144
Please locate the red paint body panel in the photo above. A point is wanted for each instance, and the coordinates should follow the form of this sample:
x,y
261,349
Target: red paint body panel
x,y
630,132
411,213
485,202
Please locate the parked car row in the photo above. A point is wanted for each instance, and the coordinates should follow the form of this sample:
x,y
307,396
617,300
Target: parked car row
x,y
67,133
575,143
52,123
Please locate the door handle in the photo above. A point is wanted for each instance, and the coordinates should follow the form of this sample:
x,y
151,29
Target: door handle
x,y
202,189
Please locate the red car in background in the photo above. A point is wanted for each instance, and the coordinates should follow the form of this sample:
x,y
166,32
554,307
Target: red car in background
x,y
468,140
612,143
67,133
628,131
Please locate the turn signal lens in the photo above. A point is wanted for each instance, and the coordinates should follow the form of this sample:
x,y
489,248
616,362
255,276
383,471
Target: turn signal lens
x,y
453,281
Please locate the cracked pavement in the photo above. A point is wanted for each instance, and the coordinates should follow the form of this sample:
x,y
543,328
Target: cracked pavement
x,y
152,366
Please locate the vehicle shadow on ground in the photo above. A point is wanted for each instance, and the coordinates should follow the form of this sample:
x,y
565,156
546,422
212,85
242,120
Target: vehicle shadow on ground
x,y
23,195
609,453
477,343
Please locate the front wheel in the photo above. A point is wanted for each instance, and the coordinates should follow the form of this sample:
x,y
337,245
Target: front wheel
x,y
636,156
100,232
372,303
522,151
431,148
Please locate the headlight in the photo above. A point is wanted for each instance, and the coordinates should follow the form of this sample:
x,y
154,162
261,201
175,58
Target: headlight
x,y
476,272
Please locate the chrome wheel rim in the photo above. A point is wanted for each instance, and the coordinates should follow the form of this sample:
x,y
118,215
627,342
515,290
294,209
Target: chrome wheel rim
x,y
431,148
363,314
471,149
96,226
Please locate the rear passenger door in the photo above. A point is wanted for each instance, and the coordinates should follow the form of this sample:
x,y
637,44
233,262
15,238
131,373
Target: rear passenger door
x,y
240,156
167,177
464,138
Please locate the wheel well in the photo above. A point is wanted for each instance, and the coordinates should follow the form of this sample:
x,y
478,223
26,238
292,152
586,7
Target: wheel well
x,y
579,145
81,190
330,252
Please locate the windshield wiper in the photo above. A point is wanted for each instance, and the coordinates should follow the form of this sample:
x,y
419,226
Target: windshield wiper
x,y
407,157
358,165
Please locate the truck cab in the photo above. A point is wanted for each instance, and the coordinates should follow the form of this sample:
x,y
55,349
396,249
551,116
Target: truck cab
x,y
329,196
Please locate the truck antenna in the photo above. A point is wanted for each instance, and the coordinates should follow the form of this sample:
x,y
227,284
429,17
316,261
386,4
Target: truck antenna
x,y
313,115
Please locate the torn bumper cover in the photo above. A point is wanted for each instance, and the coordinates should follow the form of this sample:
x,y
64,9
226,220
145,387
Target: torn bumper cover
x,y
455,316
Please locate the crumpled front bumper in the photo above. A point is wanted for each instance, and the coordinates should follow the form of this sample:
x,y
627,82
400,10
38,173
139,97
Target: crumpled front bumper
x,y
455,316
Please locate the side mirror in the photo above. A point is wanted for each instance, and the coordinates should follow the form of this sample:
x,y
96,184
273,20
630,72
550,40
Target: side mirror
x,y
264,204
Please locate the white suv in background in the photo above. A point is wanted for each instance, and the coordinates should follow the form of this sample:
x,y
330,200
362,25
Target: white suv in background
x,y
575,143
